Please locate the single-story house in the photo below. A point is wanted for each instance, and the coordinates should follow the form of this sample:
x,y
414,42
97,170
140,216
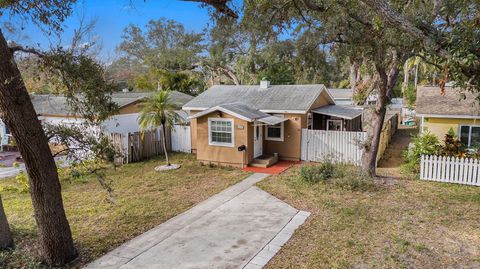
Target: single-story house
x,y
257,124
342,96
54,109
453,109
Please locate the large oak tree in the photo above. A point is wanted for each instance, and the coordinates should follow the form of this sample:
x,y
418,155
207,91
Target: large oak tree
x,y
81,81
19,115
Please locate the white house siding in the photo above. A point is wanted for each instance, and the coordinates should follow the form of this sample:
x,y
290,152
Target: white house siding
x,y
61,120
4,137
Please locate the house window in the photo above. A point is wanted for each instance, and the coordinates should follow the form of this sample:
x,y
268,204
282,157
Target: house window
x,y
470,135
220,132
334,125
275,132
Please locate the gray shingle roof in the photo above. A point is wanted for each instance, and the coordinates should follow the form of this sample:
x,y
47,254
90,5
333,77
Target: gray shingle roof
x,y
50,104
57,105
242,110
430,101
275,98
341,93
339,111
125,98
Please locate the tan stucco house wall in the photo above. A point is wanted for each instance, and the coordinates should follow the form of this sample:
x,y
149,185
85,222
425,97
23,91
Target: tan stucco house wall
x,y
290,147
226,155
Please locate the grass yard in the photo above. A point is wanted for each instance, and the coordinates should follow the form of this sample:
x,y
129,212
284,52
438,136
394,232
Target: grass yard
x,y
407,224
143,199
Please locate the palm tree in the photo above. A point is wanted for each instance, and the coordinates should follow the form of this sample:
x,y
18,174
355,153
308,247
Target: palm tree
x,y
159,111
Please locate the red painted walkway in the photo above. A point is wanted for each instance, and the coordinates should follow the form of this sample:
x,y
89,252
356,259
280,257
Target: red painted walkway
x,y
277,168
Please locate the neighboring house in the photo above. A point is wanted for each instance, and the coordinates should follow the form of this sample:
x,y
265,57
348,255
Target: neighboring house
x,y
241,125
5,135
345,97
453,109
55,110
342,96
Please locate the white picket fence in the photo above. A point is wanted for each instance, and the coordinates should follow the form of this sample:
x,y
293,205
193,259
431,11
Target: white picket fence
x,y
450,169
181,139
341,147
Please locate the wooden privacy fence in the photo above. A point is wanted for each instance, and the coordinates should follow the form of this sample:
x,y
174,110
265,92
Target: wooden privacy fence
x,y
450,169
181,139
389,129
341,147
138,146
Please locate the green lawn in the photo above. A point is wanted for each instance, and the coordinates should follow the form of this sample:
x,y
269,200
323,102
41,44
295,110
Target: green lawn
x,y
402,224
143,199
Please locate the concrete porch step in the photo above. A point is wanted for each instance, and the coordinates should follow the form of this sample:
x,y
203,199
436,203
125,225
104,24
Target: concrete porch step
x,y
264,161
259,165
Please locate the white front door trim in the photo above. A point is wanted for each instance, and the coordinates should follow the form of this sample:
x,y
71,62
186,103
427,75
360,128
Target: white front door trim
x,y
257,140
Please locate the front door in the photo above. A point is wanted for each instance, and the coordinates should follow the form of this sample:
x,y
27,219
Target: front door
x,y
257,141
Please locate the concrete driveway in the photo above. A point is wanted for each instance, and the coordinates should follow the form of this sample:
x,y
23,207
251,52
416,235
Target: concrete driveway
x,y
241,227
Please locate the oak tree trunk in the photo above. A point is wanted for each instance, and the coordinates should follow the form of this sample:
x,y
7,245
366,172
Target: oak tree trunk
x,y
19,115
355,75
369,160
6,239
387,80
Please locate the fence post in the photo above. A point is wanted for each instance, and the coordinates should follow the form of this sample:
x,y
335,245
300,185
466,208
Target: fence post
x,y
422,167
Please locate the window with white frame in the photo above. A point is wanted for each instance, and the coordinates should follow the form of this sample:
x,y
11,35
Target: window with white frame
x,y
220,132
275,132
470,135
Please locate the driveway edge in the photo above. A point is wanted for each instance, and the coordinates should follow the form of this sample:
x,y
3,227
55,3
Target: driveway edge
x,y
272,248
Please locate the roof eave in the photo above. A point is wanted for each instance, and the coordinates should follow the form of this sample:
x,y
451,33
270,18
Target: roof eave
x,y
454,116
218,108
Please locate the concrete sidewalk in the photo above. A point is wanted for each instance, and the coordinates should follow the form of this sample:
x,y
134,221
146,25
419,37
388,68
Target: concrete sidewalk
x,y
242,226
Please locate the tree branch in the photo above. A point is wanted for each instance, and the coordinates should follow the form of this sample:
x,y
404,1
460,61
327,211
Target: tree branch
x,y
17,48
219,5
391,17
314,6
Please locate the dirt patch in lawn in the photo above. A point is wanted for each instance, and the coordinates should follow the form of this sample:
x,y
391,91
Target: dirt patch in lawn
x,y
144,198
414,224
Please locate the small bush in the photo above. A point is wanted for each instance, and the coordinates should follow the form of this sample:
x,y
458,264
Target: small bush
x,y
317,173
452,146
426,144
22,181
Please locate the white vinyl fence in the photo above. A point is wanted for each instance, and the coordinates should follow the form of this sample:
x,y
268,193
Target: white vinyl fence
x,y
341,147
450,169
181,139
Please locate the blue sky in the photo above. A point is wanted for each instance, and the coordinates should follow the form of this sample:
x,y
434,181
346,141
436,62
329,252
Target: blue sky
x,y
113,16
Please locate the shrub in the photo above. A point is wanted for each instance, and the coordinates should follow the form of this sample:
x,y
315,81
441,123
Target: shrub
x,y
426,144
317,173
452,146
22,181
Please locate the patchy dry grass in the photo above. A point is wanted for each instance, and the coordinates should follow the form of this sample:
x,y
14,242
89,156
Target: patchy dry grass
x,y
143,199
410,224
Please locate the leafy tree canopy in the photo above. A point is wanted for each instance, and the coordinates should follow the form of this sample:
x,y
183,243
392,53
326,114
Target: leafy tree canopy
x,y
165,44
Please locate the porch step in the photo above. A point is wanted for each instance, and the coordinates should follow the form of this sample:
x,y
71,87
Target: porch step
x,y
264,161
260,165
